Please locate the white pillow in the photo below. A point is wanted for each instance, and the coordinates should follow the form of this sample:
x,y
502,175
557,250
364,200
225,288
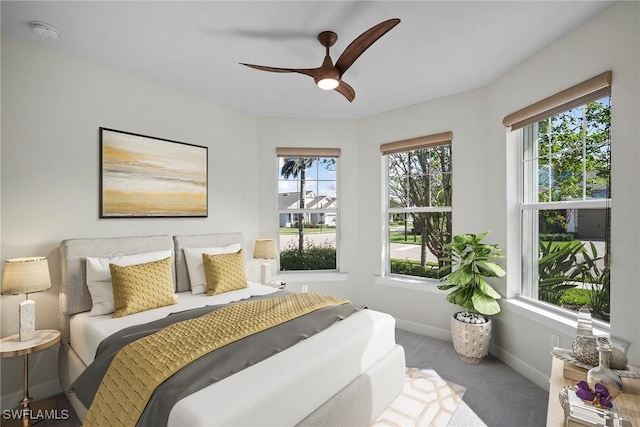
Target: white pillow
x,y
99,277
193,256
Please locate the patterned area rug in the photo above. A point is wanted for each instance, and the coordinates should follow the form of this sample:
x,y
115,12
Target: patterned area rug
x,y
426,400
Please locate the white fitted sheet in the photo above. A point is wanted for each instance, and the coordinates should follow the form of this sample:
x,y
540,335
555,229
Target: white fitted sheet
x,y
281,390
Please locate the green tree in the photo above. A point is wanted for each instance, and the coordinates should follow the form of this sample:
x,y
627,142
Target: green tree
x,y
422,178
574,153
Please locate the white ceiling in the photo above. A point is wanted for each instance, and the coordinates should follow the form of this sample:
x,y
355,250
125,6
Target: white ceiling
x,y
439,48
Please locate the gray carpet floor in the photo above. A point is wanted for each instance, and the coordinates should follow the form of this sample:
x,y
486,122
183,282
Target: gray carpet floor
x,y
499,395
496,393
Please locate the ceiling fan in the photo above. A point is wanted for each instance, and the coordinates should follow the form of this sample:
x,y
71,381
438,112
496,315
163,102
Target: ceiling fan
x,y
329,76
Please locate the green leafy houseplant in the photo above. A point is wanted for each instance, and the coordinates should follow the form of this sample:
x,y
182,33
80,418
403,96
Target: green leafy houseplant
x,y
470,264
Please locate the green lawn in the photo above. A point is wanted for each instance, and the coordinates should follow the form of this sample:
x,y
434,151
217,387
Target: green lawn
x,y
399,238
576,297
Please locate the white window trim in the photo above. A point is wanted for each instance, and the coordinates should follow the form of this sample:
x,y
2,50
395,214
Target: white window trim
x,y
409,282
581,204
552,317
540,311
420,209
386,277
555,318
315,275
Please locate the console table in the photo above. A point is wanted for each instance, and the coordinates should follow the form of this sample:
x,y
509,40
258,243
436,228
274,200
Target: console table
x,y
628,400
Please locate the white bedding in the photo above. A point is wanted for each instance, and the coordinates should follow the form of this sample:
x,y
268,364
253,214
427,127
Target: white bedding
x,y
329,361
308,374
88,331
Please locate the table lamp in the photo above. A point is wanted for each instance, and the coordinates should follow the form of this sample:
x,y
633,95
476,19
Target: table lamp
x,y
265,249
25,276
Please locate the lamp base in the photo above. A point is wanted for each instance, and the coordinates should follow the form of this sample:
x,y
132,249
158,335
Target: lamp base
x,y
27,322
265,273
35,412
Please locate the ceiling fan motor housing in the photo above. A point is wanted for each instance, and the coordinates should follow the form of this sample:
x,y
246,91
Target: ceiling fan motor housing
x,y
327,38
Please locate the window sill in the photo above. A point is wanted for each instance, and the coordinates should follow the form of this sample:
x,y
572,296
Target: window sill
x,y
556,320
426,285
315,276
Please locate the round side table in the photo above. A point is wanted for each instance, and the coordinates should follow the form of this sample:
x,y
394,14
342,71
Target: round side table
x,y
11,346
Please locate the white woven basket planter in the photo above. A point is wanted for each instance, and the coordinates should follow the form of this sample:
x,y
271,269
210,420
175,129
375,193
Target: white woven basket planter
x,y
471,340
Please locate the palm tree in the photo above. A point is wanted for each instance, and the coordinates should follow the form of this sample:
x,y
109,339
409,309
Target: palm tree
x,y
294,167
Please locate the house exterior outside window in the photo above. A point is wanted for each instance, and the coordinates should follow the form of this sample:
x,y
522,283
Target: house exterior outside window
x,y
566,204
418,208
308,217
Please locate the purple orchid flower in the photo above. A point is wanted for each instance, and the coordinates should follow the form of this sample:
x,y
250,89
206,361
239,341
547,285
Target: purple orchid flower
x,y
584,392
600,396
603,393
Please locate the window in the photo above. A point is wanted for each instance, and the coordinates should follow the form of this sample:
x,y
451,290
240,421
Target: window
x,y
418,204
308,208
566,205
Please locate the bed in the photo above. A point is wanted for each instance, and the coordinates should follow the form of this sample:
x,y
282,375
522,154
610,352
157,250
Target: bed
x,y
345,375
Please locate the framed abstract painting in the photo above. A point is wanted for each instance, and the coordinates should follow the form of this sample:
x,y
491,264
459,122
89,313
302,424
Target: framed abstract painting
x,y
143,177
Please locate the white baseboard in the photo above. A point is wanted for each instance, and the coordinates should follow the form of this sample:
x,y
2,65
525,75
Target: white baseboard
x,y
539,378
534,375
419,328
36,391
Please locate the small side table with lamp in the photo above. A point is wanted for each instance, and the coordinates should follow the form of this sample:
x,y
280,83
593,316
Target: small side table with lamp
x,y
25,276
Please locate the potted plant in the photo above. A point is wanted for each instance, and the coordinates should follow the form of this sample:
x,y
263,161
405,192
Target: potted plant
x,y
471,262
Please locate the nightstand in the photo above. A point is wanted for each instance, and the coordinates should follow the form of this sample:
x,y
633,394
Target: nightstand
x,y
11,347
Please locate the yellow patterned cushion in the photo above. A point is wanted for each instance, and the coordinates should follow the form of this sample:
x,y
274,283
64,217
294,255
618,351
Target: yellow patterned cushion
x,y
224,272
142,287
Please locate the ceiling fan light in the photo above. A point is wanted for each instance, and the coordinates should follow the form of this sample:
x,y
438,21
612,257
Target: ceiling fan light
x,y
328,83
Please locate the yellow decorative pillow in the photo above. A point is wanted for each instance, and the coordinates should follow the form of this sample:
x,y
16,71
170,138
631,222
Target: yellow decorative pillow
x,y
224,272
141,287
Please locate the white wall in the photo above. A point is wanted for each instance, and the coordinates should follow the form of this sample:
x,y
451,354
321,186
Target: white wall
x,y
485,185
463,115
608,42
343,134
52,107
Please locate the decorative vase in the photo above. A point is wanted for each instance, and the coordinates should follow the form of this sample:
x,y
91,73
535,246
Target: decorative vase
x,y
471,340
584,325
602,373
585,349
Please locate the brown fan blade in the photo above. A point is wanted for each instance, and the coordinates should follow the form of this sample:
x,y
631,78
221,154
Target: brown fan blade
x,y
306,71
346,90
362,43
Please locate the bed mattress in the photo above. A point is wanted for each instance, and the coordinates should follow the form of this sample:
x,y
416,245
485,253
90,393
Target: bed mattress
x,y
329,361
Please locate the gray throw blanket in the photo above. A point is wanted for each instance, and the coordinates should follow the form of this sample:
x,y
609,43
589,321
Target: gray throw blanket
x,y
209,368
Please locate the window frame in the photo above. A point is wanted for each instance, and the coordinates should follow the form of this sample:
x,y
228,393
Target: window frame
x,y
296,152
404,146
530,206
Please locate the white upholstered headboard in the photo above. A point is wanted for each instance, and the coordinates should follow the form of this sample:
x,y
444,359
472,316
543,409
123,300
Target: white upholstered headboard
x,y
74,294
198,241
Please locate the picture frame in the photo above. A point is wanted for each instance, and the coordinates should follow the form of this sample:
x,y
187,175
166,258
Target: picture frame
x,y
147,177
